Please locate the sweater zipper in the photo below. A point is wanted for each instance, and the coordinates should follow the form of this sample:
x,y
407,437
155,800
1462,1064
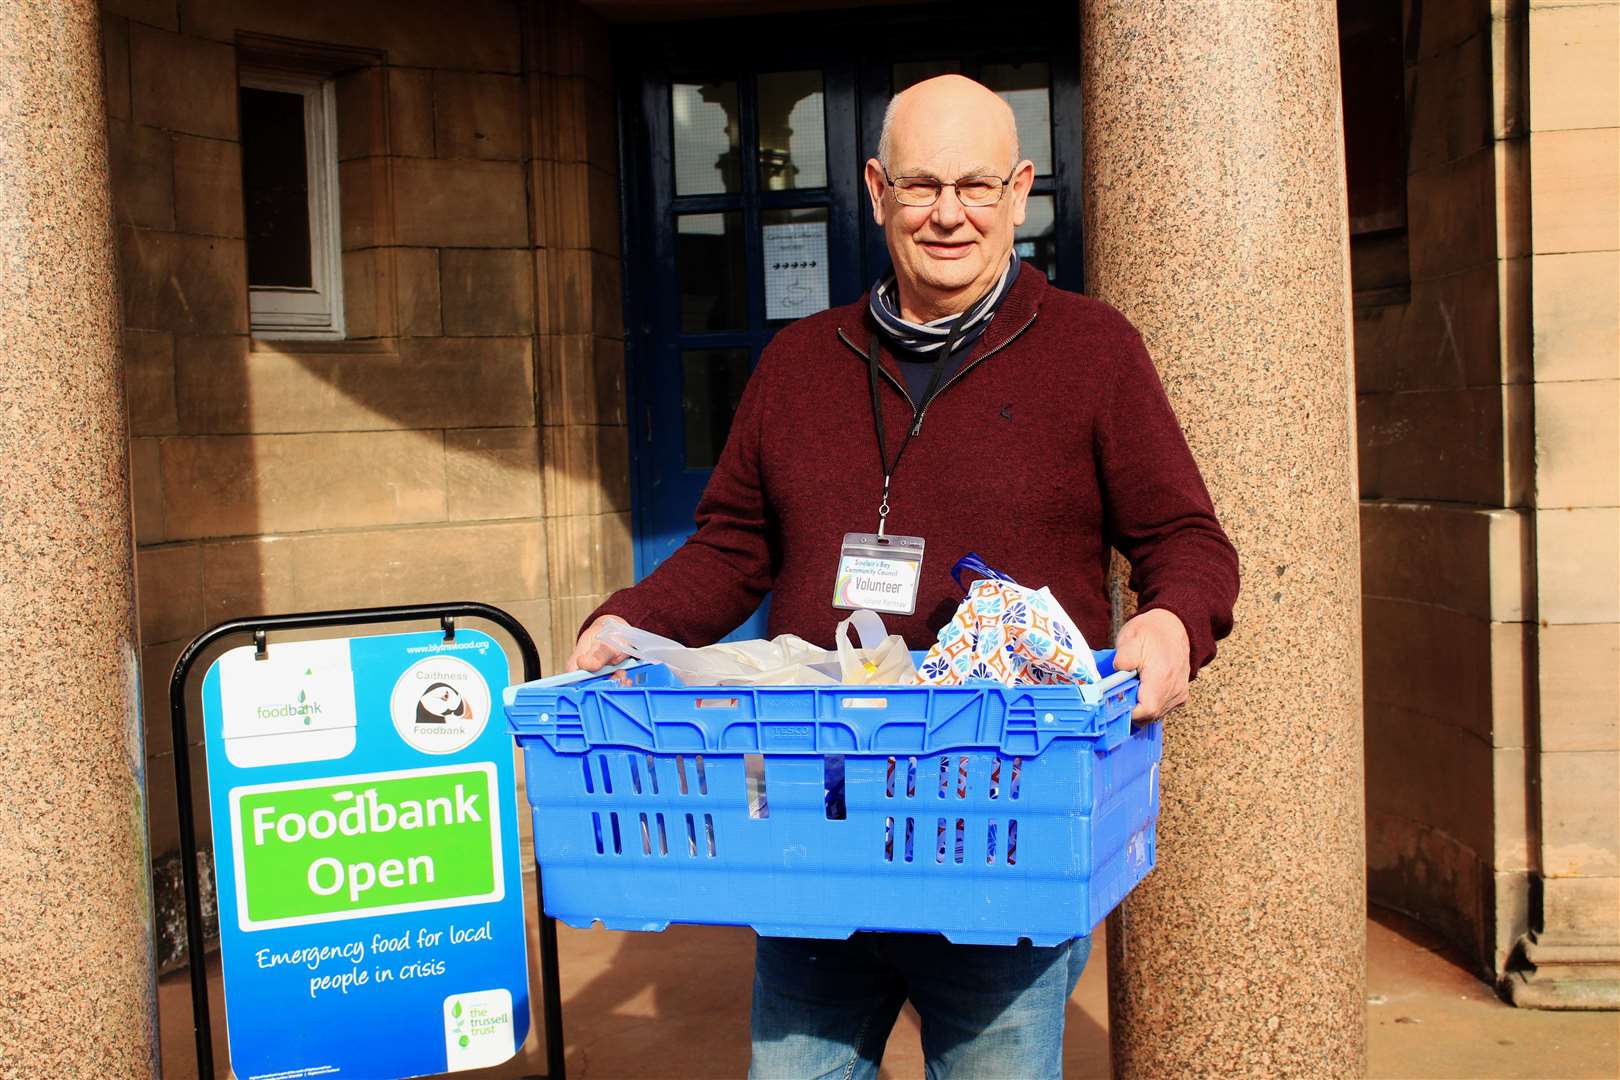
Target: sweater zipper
x,y
916,427
895,382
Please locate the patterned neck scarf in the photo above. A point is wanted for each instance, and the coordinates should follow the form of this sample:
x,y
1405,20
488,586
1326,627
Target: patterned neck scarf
x,y
929,337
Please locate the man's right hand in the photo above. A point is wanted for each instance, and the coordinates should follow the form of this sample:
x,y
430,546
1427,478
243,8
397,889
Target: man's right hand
x,y
592,655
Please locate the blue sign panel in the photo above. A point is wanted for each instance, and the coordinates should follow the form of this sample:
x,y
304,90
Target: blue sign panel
x,y
366,857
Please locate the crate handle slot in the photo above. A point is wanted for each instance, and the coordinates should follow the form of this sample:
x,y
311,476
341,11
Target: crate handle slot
x,y
715,703
754,785
864,703
832,786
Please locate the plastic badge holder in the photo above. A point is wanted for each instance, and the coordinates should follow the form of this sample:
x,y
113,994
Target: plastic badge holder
x,y
982,812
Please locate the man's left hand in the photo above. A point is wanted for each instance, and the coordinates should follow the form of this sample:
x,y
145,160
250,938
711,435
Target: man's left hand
x,y
1154,645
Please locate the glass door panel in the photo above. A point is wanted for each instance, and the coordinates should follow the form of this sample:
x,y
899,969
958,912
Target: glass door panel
x,y
706,134
792,131
711,262
712,383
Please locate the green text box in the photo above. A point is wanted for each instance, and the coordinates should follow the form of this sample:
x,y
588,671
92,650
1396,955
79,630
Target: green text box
x,y
361,845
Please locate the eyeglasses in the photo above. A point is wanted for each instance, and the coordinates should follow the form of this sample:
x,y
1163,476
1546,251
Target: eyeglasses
x,y
970,190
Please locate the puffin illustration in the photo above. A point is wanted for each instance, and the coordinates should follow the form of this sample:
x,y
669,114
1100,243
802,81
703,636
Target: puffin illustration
x,y
439,702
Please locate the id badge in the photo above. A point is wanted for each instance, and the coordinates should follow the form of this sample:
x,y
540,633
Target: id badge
x,y
881,575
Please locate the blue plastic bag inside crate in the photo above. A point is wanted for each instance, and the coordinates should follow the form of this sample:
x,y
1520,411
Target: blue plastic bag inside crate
x,y
982,812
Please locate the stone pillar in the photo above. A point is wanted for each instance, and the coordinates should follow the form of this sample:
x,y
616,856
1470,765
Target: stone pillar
x,y
1570,959
1216,220
75,960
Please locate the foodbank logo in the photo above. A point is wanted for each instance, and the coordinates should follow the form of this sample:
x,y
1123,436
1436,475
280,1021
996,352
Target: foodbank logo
x,y
296,704
304,708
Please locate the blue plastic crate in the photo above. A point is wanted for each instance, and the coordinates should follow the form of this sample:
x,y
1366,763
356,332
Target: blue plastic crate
x,y
982,812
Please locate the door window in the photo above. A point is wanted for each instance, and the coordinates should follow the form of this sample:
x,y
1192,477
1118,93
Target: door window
x,y
712,383
792,131
706,136
713,277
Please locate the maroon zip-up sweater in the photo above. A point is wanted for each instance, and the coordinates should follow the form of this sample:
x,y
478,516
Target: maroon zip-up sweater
x,y
1053,442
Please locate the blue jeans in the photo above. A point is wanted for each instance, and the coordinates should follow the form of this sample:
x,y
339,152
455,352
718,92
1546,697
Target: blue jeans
x,y
824,1009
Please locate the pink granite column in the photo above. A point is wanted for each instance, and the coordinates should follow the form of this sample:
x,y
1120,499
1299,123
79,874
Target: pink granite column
x,y
1215,219
76,986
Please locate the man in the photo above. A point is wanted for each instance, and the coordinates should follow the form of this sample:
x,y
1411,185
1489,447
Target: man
x,y
1011,419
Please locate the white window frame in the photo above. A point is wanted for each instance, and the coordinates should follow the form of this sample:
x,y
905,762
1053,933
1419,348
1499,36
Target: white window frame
x,y
314,313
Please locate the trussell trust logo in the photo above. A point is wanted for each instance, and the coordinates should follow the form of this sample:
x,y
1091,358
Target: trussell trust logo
x,y
478,1029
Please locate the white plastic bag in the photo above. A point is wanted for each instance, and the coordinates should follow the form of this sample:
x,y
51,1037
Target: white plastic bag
x,y
883,658
787,660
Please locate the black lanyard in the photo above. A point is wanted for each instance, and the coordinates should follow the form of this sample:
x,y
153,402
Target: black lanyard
x,y
951,341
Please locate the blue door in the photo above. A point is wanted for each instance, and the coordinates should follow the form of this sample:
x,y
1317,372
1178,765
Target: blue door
x,y
743,147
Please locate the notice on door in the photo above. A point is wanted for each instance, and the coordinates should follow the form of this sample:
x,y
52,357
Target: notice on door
x,y
795,269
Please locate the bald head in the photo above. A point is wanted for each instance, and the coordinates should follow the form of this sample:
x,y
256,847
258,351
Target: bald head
x,y
947,109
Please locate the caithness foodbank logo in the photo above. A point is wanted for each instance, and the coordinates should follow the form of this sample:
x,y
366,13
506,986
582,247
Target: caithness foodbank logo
x,y
440,704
